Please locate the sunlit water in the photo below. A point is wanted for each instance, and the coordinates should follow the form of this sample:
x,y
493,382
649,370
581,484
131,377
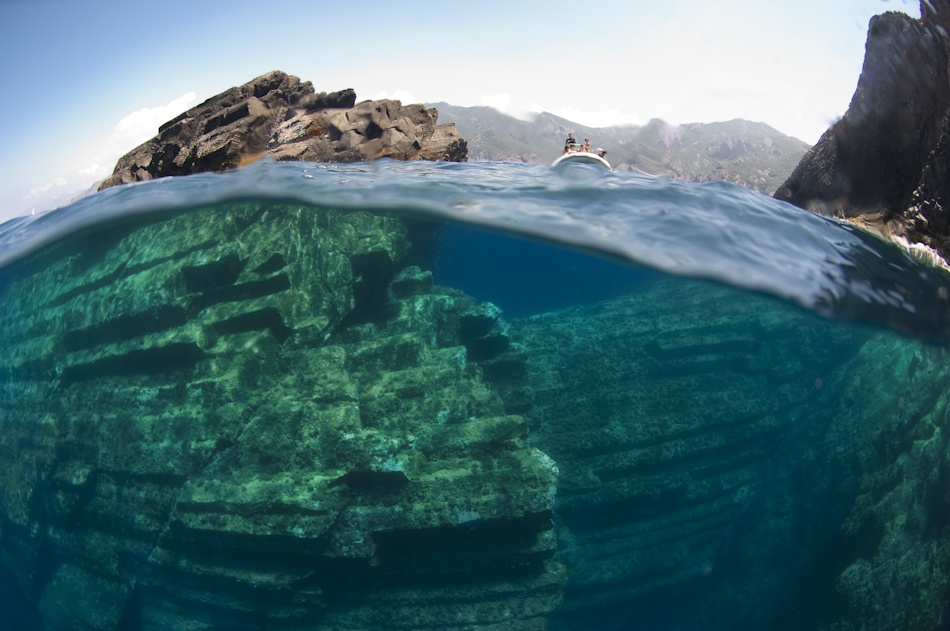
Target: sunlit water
x,y
437,395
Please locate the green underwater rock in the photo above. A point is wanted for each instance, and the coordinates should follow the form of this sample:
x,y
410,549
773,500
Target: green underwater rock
x,y
717,448
231,417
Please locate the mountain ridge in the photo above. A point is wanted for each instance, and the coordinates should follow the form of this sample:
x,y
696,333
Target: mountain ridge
x,y
744,152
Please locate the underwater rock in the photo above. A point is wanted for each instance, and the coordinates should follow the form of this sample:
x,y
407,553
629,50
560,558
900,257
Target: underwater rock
x,y
254,415
261,415
749,462
894,572
883,163
277,115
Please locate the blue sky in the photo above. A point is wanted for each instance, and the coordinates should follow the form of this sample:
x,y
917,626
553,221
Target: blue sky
x,y
88,80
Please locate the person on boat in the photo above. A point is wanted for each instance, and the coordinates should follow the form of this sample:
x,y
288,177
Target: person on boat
x,y
602,153
569,143
587,145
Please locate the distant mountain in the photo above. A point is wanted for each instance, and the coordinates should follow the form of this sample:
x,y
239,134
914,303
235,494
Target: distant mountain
x,y
52,202
744,152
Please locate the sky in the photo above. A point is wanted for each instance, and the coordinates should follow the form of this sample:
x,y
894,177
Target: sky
x,y
86,81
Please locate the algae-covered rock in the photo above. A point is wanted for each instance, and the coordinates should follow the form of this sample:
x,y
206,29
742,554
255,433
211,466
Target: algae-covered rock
x,y
769,468
263,416
255,415
897,533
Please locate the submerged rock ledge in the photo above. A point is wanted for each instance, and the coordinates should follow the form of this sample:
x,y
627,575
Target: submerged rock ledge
x,y
278,115
252,410
261,415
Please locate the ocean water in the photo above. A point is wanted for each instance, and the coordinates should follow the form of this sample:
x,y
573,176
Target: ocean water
x,y
467,396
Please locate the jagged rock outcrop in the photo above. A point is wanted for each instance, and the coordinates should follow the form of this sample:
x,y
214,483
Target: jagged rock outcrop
x,y
883,164
256,416
277,115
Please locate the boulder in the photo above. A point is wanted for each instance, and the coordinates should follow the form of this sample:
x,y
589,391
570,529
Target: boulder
x,y
278,115
882,163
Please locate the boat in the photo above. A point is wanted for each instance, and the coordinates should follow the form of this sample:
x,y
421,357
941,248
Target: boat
x,y
576,153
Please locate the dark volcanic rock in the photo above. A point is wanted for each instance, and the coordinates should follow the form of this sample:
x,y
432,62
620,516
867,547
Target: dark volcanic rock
x,y
883,163
277,115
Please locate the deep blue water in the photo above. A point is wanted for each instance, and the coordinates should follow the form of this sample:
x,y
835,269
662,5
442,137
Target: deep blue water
x,y
773,312
524,277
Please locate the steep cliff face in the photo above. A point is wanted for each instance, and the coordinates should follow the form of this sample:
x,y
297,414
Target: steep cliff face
x,y
277,115
883,162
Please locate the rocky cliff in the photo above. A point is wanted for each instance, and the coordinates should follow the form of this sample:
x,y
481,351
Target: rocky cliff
x,y
278,115
885,162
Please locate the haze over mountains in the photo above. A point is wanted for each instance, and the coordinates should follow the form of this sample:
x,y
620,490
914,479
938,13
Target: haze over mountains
x,y
748,153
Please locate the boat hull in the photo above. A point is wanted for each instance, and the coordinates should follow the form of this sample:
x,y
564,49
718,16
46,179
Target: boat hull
x,y
581,157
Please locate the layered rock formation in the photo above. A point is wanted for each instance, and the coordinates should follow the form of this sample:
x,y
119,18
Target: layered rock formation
x,y
277,115
884,163
256,416
771,470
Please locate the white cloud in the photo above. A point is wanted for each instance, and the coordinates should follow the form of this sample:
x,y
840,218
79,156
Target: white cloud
x,y
143,124
131,131
40,191
399,95
95,171
499,102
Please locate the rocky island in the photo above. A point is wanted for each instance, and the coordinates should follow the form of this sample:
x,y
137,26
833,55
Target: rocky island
x,y
278,115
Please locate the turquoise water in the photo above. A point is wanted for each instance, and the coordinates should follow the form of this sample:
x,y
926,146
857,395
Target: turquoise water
x,y
467,396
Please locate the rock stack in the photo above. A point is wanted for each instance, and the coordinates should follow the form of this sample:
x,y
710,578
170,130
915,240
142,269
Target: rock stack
x,y
277,115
